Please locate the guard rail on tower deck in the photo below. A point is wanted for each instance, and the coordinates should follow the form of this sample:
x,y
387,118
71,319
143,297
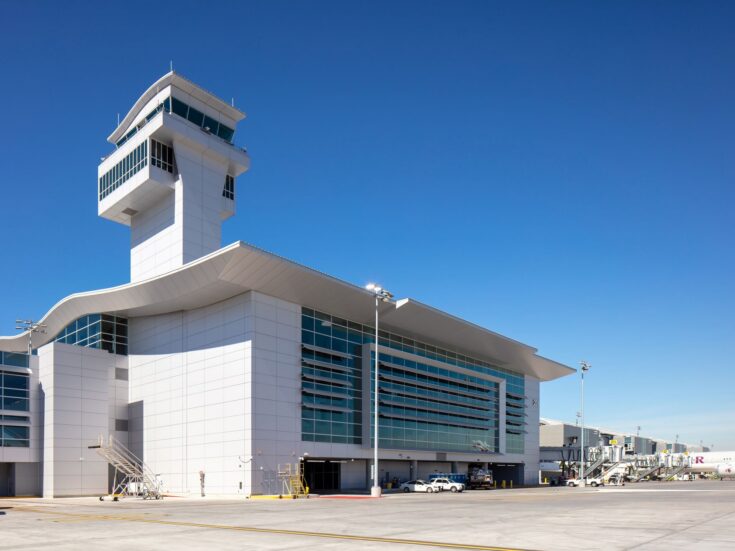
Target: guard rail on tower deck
x,y
132,475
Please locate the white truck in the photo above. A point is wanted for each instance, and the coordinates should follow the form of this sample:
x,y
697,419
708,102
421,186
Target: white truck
x,y
594,482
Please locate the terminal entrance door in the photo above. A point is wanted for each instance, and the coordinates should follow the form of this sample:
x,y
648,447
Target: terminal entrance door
x,y
322,475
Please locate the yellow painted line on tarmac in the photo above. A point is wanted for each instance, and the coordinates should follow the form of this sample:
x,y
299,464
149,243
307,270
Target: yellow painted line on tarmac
x,y
328,535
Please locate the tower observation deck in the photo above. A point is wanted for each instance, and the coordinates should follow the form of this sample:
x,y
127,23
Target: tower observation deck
x,y
172,175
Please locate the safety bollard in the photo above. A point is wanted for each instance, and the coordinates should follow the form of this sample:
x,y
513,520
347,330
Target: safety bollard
x,y
511,484
502,485
495,484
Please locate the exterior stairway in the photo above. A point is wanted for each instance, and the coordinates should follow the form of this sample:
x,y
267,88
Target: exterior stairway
x,y
132,475
646,472
609,469
589,469
292,480
676,471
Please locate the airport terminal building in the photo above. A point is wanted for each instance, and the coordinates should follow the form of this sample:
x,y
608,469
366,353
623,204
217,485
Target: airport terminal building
x,y
222,363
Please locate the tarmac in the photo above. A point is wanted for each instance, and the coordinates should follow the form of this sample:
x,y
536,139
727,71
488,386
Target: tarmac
x,y
645,516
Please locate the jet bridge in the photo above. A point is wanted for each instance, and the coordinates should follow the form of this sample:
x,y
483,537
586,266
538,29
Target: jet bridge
x,y
607,461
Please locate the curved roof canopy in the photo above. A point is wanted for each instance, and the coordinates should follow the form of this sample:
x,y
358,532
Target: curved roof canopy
x,y
239,268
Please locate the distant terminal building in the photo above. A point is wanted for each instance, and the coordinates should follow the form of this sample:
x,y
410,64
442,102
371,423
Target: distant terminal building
x,y
215,365
559,440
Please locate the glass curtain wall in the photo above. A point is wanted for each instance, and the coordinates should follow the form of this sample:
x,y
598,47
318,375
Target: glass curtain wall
x,y
97,331
14,391
450,412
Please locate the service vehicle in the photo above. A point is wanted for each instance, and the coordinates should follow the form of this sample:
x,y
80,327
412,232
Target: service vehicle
x,y
480,479
447,485
616,480
594,482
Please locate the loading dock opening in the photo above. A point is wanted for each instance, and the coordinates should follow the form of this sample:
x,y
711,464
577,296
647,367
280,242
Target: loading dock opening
x,y
322,475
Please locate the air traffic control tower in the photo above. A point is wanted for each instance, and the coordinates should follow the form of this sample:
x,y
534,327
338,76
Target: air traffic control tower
x,y
233,361
172,175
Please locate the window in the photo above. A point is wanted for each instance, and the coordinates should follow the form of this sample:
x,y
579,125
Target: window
x,y
15,359
124,170
12,436
211,124
422,406
162,156
195,116
165,106
229,191
179,107
201,120
14,391
225,132
102,331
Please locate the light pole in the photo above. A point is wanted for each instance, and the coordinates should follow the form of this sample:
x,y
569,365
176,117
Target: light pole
x,y
32,327
585,368
384,296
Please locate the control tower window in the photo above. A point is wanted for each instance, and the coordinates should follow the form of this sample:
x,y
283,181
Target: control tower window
x,y
162,156
203,121
229,191
124,170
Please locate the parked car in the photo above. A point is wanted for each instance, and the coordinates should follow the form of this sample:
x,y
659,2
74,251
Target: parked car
x,y
447,485
594,482
419,486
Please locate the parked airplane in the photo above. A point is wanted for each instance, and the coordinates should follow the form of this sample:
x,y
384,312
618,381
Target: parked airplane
x,y
722,463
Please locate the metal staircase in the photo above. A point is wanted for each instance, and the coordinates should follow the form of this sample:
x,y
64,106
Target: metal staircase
x,y
592,467
676,471
292,480
607,470
132,476
646,472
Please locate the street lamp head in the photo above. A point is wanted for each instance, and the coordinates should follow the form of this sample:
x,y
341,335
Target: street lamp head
x,y
379,292
585,366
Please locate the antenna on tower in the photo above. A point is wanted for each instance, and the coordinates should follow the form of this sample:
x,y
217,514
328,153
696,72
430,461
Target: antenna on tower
x,y
118,119
232,102
171,65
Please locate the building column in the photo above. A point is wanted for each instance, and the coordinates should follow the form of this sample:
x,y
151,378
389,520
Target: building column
x,y
368,473
413,469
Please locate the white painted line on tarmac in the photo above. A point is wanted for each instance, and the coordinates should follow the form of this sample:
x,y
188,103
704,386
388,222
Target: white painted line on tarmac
x,y
671,490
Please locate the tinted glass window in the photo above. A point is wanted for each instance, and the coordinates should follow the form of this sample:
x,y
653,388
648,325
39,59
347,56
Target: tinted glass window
x,y
14,359
179,107
197,117
211,124
225,132
15,381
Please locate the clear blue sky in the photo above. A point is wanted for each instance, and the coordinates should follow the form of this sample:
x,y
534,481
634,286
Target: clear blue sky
x,y
559,172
